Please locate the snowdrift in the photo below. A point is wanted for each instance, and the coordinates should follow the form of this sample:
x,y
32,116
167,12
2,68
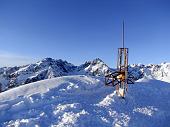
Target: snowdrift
x,y
84,101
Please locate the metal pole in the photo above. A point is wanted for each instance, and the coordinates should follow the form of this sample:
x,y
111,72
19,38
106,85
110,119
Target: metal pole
x,y
123,35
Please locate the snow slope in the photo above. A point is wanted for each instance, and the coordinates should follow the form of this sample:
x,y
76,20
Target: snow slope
x,y
84,101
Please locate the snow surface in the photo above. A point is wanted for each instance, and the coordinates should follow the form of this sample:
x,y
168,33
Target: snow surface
x,y
84,101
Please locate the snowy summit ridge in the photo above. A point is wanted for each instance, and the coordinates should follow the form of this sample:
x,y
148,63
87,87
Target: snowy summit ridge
x,y
49,68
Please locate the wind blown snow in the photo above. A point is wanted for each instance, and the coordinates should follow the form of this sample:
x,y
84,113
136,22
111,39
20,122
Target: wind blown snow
x,y
84,101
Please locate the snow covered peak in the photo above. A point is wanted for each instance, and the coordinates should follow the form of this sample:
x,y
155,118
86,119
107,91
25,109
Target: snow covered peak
x,y
44,69
51,62
48,68
155,71
97,61
95,67
48,59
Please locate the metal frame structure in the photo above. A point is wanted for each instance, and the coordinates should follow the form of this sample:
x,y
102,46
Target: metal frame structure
x,y
120,78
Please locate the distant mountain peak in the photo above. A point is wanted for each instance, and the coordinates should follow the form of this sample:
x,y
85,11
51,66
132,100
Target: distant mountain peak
x,y
95,61
47,59
95,67
50,68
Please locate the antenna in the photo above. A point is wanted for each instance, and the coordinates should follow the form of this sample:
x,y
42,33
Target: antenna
x,y
120,78
123,29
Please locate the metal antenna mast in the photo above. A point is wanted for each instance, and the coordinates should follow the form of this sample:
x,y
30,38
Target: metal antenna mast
x,y
123,40
120,78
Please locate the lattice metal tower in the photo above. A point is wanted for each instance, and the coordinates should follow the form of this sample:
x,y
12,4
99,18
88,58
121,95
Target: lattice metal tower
x,y
120,78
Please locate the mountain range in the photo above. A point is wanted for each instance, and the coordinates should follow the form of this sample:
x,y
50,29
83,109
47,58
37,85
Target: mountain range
x,y
49,68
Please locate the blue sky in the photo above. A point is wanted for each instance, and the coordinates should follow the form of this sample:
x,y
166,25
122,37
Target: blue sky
x,y
80,30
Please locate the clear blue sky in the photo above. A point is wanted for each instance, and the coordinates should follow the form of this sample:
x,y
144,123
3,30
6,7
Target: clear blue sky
x,y
80,30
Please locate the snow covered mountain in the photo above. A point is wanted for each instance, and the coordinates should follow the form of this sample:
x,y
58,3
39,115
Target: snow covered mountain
x,y
84,101
49,68
95,67
153,71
